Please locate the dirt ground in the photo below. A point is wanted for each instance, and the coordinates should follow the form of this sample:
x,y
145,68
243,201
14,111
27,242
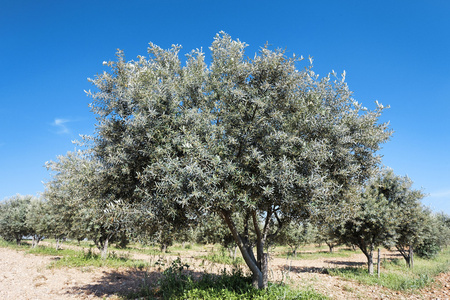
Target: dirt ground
x,y
26,276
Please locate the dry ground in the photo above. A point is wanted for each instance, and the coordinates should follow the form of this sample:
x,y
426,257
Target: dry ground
x,y
26,276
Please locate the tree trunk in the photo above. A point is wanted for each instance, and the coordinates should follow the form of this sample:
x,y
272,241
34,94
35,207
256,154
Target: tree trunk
x,y
370,261
406,254
104,253
411,256
247,253
163,247
379,263
330,247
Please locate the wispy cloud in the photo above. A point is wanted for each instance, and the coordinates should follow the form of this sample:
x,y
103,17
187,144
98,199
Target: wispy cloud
x,y
60,124
441,194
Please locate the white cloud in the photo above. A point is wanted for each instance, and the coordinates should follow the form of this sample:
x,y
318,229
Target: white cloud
x,y
61,125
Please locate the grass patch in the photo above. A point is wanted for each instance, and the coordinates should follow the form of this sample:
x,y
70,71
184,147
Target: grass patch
x,y
88,258
178,283
222,257
396,275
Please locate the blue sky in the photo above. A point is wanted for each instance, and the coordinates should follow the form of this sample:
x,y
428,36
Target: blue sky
x,y
396,52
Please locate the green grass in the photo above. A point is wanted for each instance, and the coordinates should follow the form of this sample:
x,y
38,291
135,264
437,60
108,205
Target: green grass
x,y
396,275
78,258
221,256
88,258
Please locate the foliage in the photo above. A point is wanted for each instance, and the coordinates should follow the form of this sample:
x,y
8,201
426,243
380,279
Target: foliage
x,y
252,138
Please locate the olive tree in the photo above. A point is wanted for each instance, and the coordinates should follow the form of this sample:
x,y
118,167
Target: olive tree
x,y
253,137
13,214
411,218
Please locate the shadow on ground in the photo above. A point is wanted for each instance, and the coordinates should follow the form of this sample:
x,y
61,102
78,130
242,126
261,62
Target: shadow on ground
x,y
122,283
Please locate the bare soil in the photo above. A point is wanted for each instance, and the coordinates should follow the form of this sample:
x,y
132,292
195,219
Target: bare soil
x,y
27,276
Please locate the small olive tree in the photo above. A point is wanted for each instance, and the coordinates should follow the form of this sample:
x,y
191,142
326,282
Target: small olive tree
x,y
38,220
374,222
13,216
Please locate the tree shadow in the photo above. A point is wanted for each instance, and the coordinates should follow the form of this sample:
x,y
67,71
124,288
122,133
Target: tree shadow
x,y
297,269
118,283
346,263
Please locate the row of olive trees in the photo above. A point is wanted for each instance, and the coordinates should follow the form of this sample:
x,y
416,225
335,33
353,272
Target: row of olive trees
x,y
387,212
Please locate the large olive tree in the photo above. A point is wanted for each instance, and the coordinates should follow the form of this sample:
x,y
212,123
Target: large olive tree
x,y
249,137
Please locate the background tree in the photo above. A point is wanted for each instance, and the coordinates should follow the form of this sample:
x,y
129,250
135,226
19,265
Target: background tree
x,y
434,236
444,219
410,216
254,138
13,213
326,233
75,193
296,234
37,220
374,223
